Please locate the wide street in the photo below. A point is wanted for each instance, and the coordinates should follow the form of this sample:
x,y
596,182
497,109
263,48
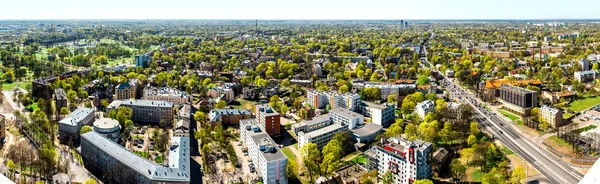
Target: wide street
x,y
546,163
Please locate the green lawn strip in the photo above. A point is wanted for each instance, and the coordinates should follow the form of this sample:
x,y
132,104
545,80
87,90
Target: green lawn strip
x,y
360,159
350,156
567,115
289,154
15,132
583,104
589,127
507,150
510,116
158,160
476,175
10,86
560,141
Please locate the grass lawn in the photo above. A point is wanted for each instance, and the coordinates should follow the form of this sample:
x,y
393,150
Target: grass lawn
x,y
142,154
32,107
15,132
158,160
289,154
350,156
360,159
583,104
244,104
10,86
589,127
512,116
476,175
567,115
560,141
507,150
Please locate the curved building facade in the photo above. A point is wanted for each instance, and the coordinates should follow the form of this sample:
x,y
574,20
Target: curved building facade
x,y
108,127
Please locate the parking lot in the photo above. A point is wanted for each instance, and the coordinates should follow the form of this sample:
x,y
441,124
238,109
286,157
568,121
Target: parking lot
x,y
244,160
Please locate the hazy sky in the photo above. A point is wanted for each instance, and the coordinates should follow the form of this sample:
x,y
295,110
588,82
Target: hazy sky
x,y
299,9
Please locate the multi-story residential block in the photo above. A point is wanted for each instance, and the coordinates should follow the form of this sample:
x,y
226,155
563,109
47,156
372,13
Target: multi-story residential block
x,y
269,160
250,93
68,128
320,136
490,88
269,119
312,124
127,90
424,107
408,161
586,76
553,116
381,114
230,117
317,99
221,90
146,110
115,163
346,117
585,64
143,60
517,99
317,70
401,89
60,99
166,94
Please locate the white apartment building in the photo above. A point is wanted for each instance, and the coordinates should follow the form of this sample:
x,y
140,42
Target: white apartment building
x,y
320,136
346,117
320,99
408,161
381,114
227,93
386,89
269,160
424,107
313,124
586,76
166,94
553,116
68,128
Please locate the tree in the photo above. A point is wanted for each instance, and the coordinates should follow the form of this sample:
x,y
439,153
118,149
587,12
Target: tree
x,y
392,98
395,129
423,80
423,181
311,157
64,111
123,114
90,181
9,76
387,178
221,104
199,116
471,140
458,170
474,128
343,89
11,166
219,135
332,153
411,130
85,129
518,176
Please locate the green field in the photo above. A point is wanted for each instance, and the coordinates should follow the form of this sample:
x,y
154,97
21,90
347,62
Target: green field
x,y
360,159
583,104
511,116
289,154
560,141
507,150
567,115
476,175
10,86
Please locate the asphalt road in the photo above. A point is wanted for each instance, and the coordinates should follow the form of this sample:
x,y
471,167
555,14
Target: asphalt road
x,y
546,163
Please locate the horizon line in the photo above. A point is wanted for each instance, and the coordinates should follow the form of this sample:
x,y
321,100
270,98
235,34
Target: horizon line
x,y
325,19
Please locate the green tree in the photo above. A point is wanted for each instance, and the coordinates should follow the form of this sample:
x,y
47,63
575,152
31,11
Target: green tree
x,y
392,98
387,178
395,129
221,104
64,111
423,181
311,157
199,116
90,181
458,170
423,80
343,89
518,176
410,130
85,129
9,76
471,140
474,128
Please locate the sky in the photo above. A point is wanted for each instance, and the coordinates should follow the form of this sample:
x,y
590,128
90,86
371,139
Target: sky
x,y
300,9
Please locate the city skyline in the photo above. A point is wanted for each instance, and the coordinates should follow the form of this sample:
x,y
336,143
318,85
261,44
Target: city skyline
x,y
305,10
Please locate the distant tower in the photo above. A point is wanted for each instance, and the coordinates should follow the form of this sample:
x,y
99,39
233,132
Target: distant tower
x,y
256,27
401,24
406,25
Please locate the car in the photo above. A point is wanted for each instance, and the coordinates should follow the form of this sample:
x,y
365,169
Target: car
x,y
245,153
501,132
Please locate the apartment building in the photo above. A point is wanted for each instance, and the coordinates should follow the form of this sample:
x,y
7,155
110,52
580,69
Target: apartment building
x,y
553,116
401,89
381,114
68,127
348,101
346,117
317,99
269,119
586,76
146,110
227,93
312,124
320,136
490,88
166,94
517,99
230,117
60,99
424,107
116,164
269,160
127,90
408,161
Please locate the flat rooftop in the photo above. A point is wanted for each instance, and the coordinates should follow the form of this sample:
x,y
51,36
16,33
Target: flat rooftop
x,y
106,123
368,129
346,113
323,130
266,109
258,138
178,169
76,116
145,103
